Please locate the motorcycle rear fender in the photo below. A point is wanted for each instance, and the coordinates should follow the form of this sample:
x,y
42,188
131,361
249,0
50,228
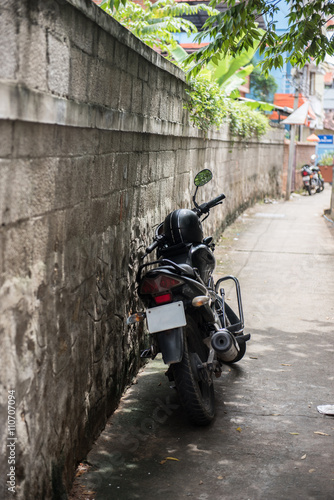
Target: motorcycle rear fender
x,y
171,345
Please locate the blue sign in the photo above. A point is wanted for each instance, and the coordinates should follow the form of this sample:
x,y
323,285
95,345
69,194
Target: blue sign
x,y
325,139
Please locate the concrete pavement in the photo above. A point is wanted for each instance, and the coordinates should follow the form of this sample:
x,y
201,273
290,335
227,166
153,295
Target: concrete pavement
x,y
268,439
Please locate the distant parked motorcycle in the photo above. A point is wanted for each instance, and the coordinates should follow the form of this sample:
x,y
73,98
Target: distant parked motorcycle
x,y
312,179
190,323
319,180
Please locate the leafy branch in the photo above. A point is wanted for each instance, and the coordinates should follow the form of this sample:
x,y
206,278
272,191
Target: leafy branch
x,y
235,29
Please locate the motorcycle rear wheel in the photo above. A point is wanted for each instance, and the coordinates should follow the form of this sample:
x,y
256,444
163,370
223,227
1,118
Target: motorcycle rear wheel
x,y
194,386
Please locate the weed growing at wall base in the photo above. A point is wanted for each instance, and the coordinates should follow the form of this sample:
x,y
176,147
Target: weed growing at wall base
x,y
209,108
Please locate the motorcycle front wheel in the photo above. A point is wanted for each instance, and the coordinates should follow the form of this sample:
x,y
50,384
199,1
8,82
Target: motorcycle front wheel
x,y
193,382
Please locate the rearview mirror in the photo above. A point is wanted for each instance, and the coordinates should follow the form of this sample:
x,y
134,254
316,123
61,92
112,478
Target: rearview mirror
x,y
203,177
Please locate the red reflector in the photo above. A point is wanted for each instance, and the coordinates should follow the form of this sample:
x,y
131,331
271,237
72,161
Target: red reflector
x,y
305,173
163,299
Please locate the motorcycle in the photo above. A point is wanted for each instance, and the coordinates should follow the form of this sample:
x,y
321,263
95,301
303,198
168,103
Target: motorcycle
x,y
187,316
319,180
312,179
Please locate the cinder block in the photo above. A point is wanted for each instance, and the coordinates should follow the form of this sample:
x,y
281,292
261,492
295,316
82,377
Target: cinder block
x,y
9,55
59,66
32,55
82,34
133,62
134,169
29,188
115,83
143,70
163,112
126,144
121,56
155,104
6,142
102,175
109,141
137,145
97,83
18,242
79,67
137,97
30,140
120,172
72,184
105,46
125,92
147,100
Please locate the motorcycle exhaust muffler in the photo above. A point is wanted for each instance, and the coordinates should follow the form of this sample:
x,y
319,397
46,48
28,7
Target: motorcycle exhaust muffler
x,y
225,345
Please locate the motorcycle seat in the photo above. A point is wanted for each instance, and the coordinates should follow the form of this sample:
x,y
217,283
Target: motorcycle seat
x,y
188,270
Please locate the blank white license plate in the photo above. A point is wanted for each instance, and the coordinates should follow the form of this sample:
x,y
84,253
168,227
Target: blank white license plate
x,y
166,317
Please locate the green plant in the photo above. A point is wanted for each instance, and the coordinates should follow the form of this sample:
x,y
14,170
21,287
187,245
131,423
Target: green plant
x,y
326,159
155,23
263,87
209,107
236,29
208,104
228,72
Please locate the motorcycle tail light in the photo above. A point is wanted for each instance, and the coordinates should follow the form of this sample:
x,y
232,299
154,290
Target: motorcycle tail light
x,y
305,173
160,283
163,299
167,283
149,286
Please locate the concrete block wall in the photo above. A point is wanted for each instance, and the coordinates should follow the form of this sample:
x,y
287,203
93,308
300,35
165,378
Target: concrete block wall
x,y
95,149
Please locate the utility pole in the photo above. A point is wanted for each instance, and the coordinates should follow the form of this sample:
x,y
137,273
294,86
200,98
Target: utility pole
x,y
332,198
293,128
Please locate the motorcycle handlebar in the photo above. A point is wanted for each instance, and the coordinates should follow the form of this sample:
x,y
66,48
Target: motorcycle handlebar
x,y
205,207
150,248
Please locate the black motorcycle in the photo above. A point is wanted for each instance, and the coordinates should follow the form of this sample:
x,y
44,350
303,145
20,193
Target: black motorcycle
x,y
190,323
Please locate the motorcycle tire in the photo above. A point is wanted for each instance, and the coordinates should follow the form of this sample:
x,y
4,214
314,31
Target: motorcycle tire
x,y
195,390
309,190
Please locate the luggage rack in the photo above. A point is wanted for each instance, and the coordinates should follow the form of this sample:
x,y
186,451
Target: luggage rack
x,y
237,323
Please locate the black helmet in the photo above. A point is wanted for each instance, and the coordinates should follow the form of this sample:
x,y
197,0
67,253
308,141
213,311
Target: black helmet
x,y
183,226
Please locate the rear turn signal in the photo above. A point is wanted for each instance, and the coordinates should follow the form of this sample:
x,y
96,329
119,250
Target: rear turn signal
x,y
201,300
136,318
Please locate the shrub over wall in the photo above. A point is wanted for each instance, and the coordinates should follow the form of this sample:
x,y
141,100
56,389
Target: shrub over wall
x,y
209,107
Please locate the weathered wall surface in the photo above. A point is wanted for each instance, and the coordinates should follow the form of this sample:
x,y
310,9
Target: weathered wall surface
x,y
95,149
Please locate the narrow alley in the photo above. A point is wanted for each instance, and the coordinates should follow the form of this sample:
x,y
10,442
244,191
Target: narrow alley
x,y
268,439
